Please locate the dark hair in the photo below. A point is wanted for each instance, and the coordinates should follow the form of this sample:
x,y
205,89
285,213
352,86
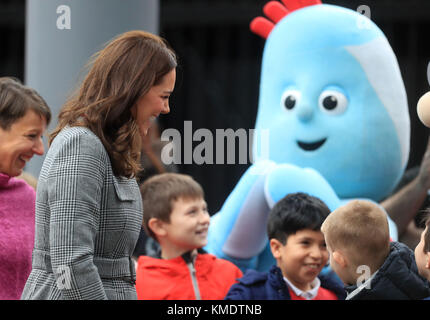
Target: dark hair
x,y
125,70
160,191
16,99
295,212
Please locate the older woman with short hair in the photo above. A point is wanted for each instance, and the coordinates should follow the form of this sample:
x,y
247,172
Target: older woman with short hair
x,y
24,116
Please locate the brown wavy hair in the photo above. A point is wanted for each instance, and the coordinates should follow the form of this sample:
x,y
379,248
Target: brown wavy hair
x,y
119,75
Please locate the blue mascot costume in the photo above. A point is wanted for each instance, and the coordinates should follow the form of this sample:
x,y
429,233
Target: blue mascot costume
x,y
334,107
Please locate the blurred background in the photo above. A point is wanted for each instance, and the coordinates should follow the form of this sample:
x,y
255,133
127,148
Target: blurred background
x,y
219,67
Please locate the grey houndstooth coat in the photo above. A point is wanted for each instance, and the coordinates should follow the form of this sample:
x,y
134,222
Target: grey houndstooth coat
x,y
87,224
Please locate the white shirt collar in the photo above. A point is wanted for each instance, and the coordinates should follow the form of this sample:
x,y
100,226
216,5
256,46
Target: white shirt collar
x,y
308,295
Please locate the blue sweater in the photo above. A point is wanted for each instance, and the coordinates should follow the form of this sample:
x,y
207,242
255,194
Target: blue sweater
x,y
255,285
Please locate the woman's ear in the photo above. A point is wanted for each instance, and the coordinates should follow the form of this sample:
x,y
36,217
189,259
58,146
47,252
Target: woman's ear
x,y
157,226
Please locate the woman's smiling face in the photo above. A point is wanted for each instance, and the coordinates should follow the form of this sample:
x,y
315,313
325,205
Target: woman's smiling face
x,y
154,102
21,142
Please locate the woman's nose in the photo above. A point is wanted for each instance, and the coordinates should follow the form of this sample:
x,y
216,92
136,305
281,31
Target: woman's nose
x,y
166,109
38,147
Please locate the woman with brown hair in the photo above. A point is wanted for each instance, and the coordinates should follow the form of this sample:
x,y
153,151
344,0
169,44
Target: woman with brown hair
x,y
88,205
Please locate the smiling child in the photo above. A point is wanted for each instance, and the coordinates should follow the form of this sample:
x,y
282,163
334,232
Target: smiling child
x,y
175,214
300,251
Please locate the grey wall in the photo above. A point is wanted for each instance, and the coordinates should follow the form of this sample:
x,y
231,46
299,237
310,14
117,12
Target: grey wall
x,y
55,58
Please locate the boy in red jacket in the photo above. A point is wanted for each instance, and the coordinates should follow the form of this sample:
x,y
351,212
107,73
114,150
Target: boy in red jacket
x,y
175,214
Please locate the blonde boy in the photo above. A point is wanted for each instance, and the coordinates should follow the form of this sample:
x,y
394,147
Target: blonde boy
x,y
360,252
175,215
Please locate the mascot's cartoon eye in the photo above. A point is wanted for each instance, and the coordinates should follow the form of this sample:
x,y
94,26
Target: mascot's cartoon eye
x,y
333,102
289,99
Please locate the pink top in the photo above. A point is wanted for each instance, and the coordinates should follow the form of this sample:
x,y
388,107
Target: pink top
x,y
17,206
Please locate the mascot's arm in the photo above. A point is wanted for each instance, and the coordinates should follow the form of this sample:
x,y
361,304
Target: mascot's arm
x,y
287,178
238,231
405,204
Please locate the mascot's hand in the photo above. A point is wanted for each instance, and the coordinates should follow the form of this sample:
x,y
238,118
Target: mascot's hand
x,y
288,178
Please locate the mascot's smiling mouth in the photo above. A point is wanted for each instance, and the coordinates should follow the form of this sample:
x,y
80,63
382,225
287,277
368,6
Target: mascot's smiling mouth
x,y
311,146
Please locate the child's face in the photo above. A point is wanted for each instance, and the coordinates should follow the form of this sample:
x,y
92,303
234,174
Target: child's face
x,y
422,258
189,223
302,257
